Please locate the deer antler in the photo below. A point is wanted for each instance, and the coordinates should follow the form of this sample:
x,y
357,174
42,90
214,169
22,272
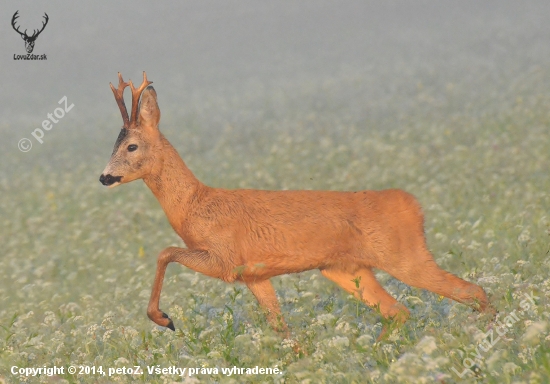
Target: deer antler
x,y
35,34
13,19
119,97
136,93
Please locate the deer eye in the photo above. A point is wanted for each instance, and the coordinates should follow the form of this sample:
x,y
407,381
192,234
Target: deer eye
x,y
132,147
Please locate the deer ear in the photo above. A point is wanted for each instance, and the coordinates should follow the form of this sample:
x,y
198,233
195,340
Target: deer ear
x,y
149,112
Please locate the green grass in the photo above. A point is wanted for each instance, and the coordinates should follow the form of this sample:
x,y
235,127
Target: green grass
x,y
78,260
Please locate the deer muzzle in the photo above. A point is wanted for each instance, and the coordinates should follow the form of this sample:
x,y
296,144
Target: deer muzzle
x,y
109,179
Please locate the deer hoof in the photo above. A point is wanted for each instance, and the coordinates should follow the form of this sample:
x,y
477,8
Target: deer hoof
x,y
170,324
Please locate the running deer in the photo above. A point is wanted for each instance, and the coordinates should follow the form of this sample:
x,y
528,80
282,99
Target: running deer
x,y
250,236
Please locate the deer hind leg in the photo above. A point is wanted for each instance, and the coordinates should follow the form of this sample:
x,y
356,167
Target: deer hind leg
x,y
265,294
200,261
370,292
421,271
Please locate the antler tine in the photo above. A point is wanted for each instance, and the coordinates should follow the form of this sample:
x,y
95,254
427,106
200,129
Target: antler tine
x,y
14,20
136,93
38,32
119,97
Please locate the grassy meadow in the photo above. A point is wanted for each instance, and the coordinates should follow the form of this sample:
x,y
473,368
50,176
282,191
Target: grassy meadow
x,y
78,260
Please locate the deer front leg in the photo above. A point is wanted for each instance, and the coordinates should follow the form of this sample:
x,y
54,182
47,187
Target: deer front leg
x,y
200,261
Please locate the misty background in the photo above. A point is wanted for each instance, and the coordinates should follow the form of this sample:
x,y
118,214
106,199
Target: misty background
x,y
229,75
197,52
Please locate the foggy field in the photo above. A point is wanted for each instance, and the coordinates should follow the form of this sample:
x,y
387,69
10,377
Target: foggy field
x,y
450,102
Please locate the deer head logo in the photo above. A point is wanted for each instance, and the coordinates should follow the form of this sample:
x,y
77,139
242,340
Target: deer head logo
x,y
29,40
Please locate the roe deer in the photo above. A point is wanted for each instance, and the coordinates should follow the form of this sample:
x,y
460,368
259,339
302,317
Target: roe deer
x,y
252,235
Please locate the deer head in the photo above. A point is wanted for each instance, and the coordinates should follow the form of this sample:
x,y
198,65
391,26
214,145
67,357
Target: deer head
x,y
29,40
137,145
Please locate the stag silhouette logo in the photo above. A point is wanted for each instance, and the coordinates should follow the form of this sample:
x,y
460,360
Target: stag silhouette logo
x,y
29,40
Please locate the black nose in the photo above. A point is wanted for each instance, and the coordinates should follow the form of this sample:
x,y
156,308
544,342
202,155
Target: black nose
x,y
109,179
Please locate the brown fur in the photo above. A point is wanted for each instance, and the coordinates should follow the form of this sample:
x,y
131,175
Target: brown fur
x,y
252,235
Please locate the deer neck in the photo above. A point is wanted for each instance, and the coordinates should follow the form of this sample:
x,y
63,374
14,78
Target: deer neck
x,y
173,184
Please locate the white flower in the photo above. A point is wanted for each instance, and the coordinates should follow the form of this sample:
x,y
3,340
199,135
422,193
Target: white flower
x,y
427,345
92,329
365,340
510,368
473,245
533,332
50,319
388,348
524,236
214,355
107,334
122,361
488,280
129,331
343,326
286,344
325,319
441,236
339,342
227,317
